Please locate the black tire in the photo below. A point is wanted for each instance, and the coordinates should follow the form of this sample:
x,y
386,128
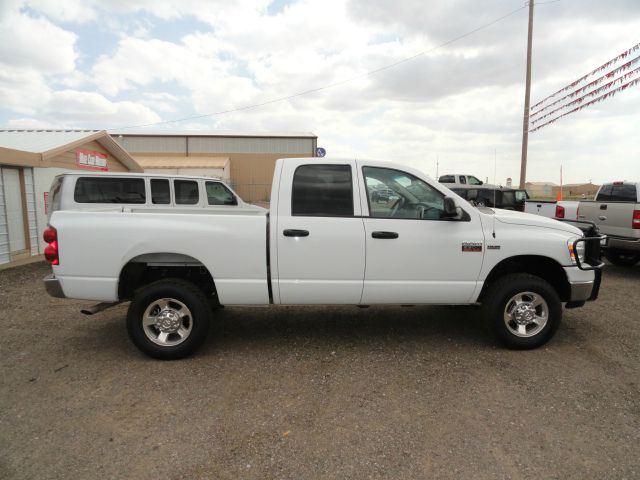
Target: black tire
x,y
498,297
623,258
185,295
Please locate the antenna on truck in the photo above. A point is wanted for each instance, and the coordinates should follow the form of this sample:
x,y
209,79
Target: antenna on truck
x,y
494,192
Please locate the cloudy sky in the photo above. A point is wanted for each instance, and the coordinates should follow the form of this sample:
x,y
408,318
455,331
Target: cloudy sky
x,y
120,63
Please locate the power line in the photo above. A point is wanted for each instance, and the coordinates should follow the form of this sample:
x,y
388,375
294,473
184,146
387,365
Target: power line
x,y
335,84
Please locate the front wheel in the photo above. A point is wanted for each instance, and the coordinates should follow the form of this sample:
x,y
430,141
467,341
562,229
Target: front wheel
x,y
622,258
523,310
168,319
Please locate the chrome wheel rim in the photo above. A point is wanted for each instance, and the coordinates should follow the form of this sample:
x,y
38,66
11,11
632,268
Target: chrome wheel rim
x,y
167,322
526,314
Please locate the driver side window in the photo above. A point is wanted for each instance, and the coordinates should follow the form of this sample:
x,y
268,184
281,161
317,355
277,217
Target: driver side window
x,y
396,194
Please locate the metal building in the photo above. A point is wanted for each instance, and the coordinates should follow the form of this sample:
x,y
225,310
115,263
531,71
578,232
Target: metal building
x,y
246,160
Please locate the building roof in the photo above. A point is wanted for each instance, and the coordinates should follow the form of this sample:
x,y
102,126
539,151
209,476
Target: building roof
x,y
38,146
181,161
178,133
542,183
39,141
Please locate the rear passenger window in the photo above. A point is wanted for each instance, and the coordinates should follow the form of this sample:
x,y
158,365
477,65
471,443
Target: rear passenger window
x,y
218,194
447,179
322,190
463,180
160,192
109,190
186,192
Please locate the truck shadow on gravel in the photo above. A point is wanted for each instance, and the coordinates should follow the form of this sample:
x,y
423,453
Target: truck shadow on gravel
x,y
338,326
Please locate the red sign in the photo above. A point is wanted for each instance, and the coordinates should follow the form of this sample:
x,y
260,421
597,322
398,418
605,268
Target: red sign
x,y
91,160
46,202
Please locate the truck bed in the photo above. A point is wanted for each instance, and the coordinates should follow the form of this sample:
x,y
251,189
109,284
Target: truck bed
x,y
230,243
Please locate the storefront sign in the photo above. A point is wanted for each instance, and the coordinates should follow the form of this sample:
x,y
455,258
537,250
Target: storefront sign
x,y
91,160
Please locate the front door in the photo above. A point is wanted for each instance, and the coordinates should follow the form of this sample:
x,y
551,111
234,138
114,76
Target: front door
x,y
319,234
413,254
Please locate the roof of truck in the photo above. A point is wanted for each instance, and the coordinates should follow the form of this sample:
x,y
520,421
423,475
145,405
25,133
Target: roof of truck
x,y
80,173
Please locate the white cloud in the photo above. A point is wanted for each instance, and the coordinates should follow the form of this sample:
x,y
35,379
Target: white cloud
x,y
36,43
93,108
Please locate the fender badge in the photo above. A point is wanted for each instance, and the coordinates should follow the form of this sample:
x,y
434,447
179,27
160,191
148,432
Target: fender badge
x,y
493,247
471,246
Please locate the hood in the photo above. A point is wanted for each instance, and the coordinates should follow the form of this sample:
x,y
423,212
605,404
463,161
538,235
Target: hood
x,y
518,218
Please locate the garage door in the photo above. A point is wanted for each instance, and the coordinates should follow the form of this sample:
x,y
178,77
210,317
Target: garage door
x,y
14,211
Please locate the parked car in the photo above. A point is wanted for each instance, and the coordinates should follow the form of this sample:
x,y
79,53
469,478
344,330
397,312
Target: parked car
x,y
322,242
507,198
93,190
616,212
458,180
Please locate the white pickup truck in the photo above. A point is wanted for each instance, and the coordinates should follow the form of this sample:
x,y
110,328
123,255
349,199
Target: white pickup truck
x,y
324,241
616,212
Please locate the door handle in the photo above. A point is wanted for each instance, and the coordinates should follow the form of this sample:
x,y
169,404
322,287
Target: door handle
x,y
295,233
602,217
384,235
603,207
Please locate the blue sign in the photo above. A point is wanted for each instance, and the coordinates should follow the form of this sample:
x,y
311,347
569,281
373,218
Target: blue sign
x,y
320,152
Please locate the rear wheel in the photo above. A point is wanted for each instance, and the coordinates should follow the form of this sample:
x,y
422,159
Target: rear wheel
x,y
623,258
168,319
523,310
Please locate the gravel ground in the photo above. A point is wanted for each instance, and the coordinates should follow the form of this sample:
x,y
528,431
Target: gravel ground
x,y
334,392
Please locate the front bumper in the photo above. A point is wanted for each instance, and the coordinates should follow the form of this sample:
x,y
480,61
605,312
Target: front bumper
x,y
53,287
582,291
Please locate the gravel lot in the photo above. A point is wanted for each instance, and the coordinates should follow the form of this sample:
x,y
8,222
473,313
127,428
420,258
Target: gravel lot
x,y
305,393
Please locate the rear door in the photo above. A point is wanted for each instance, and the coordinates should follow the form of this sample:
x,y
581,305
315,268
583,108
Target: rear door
x,y
319,234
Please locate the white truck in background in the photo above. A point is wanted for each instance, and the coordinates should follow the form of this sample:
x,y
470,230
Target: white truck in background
x,y
565,209
616,212
324,241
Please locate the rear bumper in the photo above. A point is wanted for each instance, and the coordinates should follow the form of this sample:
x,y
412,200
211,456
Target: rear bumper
x,y
53,287
623,243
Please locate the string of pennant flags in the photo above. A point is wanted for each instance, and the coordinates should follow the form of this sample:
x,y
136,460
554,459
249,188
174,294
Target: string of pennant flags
x,y
595,88
602,67
599,99
589,85
591,94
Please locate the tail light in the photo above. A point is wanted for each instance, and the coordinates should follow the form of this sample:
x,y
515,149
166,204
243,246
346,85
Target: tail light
x,y
559,211
50,236
635,223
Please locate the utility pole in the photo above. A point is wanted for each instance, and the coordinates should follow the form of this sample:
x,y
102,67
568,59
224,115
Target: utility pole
x,y
527,95
437,166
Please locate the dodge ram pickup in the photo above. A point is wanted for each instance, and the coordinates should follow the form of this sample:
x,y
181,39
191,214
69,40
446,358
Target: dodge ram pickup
x,y
324,241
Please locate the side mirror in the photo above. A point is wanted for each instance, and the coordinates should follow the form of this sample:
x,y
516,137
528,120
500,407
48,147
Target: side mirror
x,y
231,201
450,208
481,182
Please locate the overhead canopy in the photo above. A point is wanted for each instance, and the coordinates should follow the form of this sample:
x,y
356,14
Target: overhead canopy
x,y
181,161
